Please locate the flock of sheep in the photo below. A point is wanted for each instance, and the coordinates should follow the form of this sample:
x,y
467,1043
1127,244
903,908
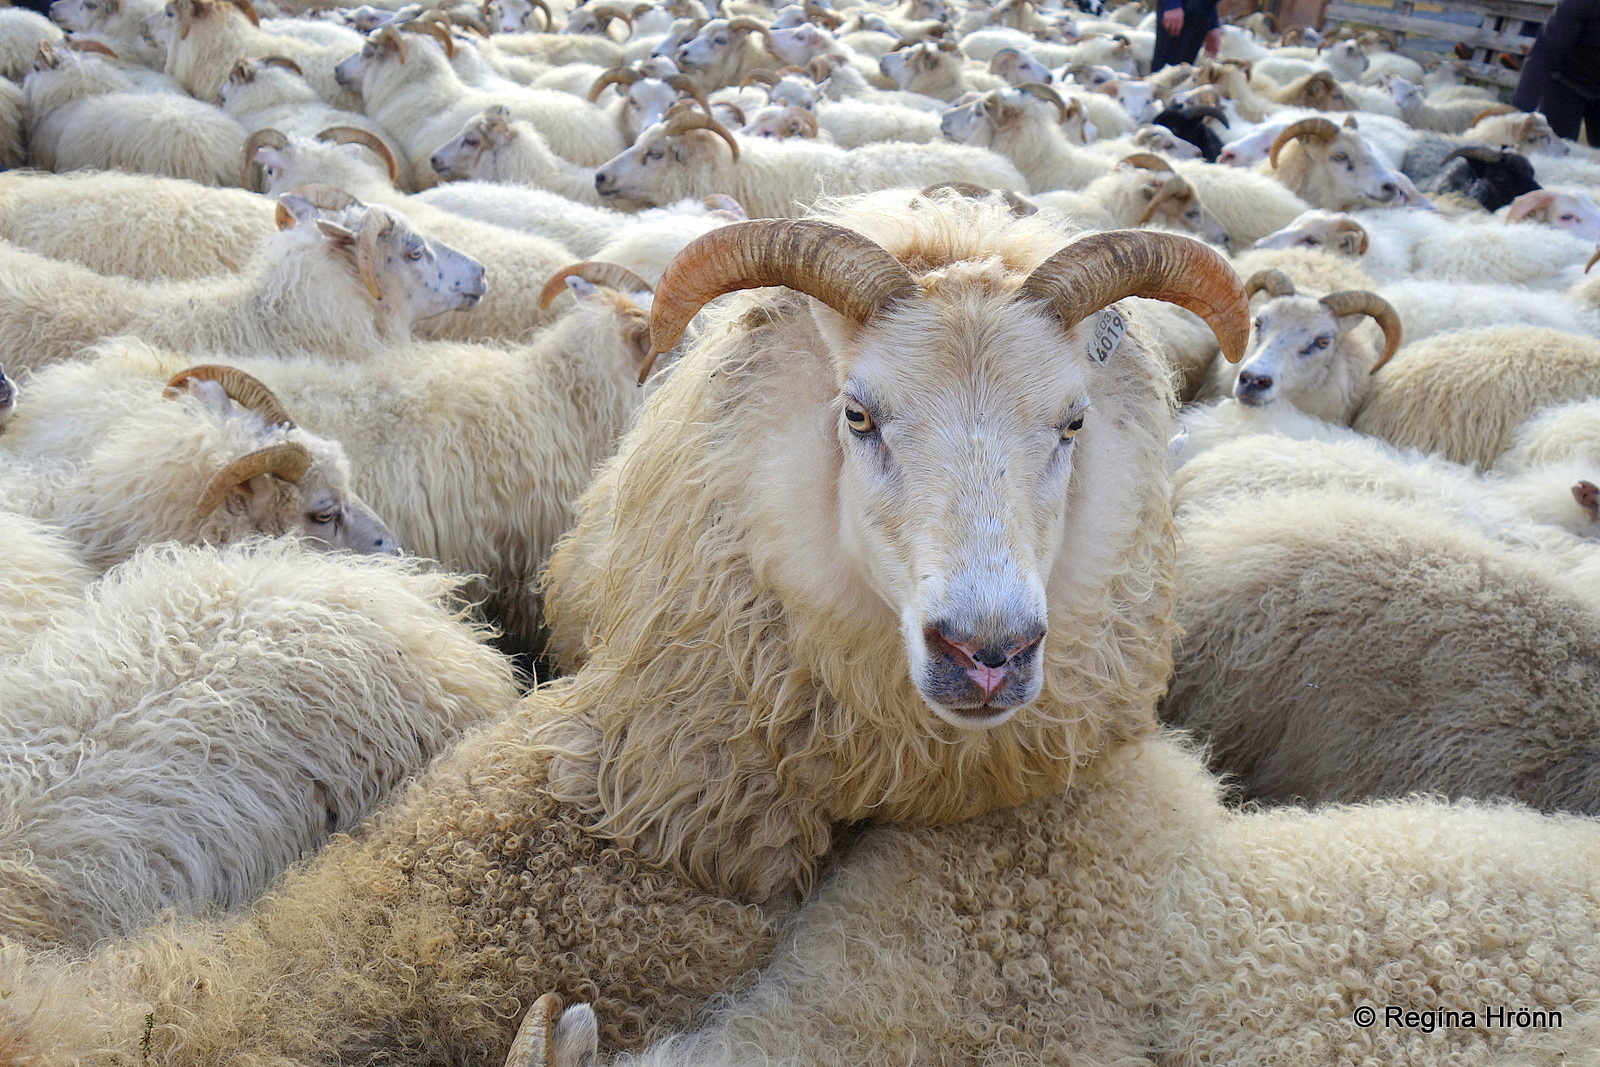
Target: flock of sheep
x,y
1096,450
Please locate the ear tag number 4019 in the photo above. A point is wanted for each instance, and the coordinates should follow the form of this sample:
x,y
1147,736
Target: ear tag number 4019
x,y
1108,333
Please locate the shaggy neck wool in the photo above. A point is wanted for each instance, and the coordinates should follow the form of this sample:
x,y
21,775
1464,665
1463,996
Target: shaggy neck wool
x,y
728,732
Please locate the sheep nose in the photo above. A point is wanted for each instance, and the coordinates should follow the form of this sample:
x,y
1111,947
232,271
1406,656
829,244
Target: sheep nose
x,y
439,166
1389,191
987,664
1254,382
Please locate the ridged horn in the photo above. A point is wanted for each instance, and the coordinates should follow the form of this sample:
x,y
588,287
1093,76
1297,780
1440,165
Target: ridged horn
x,y
611,275
1099,269
327,197
1274,282
544,9
281,61
684,121
373,226
848,272
1361,302
266,137
1316,129
390,34
1593,258
535,1044
762,75
1043,92
614,76
243,389
288,460
366,138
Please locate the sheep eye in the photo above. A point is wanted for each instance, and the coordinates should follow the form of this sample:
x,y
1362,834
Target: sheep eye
x,y
471,142
1070,430
858,420
1340,157
324,518
653,155
1322,342
414,253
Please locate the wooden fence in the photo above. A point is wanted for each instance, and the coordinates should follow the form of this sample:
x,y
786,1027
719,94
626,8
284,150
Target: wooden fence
x,y
1494,28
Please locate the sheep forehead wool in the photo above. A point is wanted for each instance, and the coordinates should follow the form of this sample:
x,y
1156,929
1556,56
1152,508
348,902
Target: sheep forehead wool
x,y
761,512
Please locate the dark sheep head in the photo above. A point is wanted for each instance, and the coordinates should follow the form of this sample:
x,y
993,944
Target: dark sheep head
x,y
1492,176
1189,123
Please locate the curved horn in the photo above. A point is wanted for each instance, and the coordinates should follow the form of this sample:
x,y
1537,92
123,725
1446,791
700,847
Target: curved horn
x,y
849,273
281,61
614,76
749,25
243,389
1491,112
1206,113
366,138
1352,226
1316,129
1173,188
84,44
1593,258
685,121
535,1043
1146,161
375,225
1478,153
762,75
326,197
266,137
1042,91
1361,302
684,84
544,9
1528,203
438,31
288,460
389,34
467,20
1275,282
1101,268
606,12
611,275
248,10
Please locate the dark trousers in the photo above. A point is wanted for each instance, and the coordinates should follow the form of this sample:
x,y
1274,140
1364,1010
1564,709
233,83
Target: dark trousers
x,y
1186,45
1567,109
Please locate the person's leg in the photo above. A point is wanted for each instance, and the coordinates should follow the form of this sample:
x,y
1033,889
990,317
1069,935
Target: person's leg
x,y
1166,52
1564,108
1190,40
1591,123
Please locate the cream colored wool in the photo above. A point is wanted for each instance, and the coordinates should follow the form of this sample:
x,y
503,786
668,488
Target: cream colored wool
x,y
140,226
1139,922
1312,270
600,842
1554,434
1342,644
42,575
205,718
1462,394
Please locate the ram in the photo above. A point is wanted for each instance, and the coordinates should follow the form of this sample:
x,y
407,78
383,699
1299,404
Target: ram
x,y
1334,169
206,717
85,114
408,86
205,38
345,287
118,24
685,157
556,819
935,68
1024,125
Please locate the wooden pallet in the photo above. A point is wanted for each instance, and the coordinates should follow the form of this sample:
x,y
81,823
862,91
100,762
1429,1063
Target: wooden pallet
x,y
1498,29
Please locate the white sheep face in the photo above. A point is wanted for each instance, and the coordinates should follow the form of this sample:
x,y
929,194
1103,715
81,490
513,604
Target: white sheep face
x,y
512,16
1346,173
711,45
972,123
1296,348
1252,148
459,158
663,168
1329,230
84,16
955,482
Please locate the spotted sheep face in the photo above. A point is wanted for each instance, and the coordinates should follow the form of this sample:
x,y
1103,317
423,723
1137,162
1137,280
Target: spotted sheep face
x,y
1297,343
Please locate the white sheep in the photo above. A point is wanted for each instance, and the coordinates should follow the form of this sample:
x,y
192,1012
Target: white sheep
x,y
344,286
85,114
205,38
1025,127
21,33
43,578
1497,377
685,157
204,718
116,23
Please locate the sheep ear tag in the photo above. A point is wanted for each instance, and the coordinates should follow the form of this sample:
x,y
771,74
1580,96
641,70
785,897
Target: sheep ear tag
x,y
1109,329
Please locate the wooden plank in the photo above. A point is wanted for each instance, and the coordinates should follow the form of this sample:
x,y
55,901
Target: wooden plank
x,y
1434,28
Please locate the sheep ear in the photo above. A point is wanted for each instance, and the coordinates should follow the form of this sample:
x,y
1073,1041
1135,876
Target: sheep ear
x,y
300,211
268,156
581,287
211,394
337,235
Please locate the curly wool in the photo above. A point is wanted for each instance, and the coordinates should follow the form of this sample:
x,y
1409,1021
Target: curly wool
x,y
1138,921
204,718
1462,394
1384,647
43,576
